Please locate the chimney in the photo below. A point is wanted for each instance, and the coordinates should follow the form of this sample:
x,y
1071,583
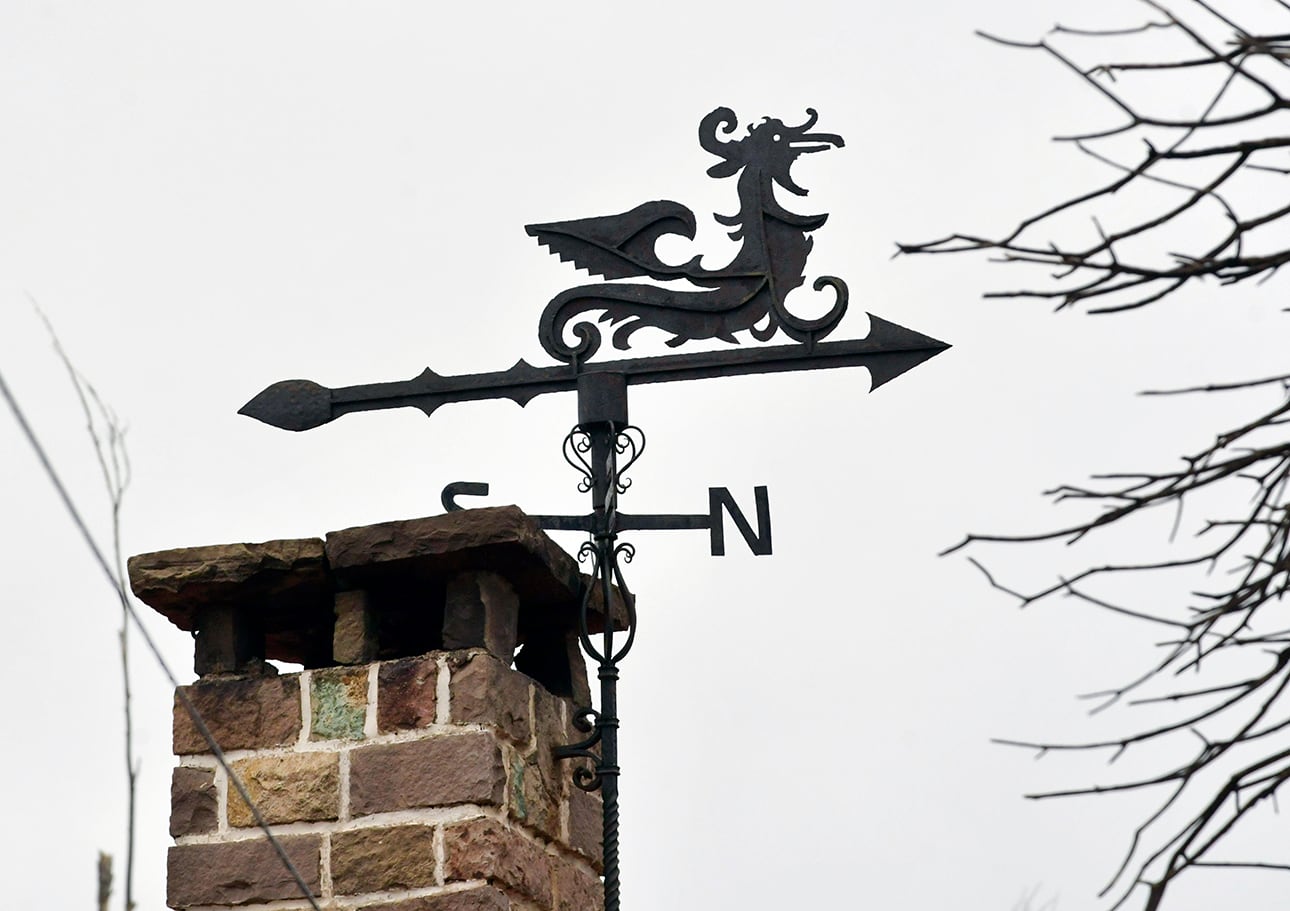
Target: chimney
x,y
409,766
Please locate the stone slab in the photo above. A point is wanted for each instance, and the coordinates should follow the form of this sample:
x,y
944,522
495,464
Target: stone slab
x,y
500,539
282,586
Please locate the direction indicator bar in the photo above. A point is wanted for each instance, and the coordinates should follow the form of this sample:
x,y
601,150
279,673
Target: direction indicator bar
x,y
888,351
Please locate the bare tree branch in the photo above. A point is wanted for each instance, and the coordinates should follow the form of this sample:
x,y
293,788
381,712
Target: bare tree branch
x,y
1211,205
107,435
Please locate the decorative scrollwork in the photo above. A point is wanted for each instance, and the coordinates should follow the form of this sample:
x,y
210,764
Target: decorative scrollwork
x,y
629,444
812,330
628,553
577,445
588,779
603,552
586,720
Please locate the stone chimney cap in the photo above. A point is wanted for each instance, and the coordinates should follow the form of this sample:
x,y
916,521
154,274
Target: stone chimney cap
x,y
287,589
178,583
500,539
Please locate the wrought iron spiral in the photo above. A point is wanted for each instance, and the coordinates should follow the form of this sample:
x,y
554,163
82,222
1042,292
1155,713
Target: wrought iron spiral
x,y
610,846
629,442
577,444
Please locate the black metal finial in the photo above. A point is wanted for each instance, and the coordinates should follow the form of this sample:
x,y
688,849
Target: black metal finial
x,y
748,295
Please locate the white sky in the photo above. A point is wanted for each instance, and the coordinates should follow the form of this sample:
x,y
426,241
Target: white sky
x,y
207,198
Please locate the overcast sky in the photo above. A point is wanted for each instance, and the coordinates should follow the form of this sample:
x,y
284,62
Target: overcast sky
x,y
207,198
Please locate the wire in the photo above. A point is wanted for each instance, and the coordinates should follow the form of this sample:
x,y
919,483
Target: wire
x,y
119,587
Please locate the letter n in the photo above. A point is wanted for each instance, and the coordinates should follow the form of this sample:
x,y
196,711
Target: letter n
x,y
758,541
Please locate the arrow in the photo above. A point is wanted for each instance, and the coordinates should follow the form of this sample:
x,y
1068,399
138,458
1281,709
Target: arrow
x,y
888,351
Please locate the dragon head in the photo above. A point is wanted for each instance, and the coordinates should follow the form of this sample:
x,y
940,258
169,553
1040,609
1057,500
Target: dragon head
x,y
770,146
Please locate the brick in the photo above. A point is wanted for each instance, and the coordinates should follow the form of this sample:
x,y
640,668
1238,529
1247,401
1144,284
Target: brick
x,y
440,771
406,693
354,639
481,610
194,805
380,859
533,802
575,888
244,713
486,849
586,822
485,691
228,640
339,700
296,787
240,873
553,731
484,898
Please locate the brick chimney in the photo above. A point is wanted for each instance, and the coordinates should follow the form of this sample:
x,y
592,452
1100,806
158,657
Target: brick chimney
x,y
409,766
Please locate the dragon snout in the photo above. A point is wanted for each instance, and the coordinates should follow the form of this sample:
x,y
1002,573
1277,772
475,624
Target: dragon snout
x,y
816,142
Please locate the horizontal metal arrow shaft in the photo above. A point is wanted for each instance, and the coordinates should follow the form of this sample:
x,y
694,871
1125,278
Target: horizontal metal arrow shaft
x,y
888,351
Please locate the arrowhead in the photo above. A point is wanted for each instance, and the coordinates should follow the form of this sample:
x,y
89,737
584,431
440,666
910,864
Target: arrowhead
x,y
291,405
900,350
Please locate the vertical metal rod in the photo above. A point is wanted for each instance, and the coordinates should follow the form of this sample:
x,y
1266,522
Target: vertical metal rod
x,y
608,771
604,502
593,447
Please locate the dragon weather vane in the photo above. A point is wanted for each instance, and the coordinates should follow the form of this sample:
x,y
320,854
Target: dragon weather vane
x,y
747,295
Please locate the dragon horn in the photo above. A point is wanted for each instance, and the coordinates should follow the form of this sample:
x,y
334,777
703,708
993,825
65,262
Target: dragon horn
x,y
811,117
722,118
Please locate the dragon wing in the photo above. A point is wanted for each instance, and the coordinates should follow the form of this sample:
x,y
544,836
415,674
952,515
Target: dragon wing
x,y
621,246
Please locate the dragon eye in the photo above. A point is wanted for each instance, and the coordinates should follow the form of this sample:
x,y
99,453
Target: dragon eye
x,y
777,137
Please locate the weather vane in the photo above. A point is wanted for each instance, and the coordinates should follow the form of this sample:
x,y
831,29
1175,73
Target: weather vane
x,y
748,295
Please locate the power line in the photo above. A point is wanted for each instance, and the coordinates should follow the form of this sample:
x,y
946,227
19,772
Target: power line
x,y
119,587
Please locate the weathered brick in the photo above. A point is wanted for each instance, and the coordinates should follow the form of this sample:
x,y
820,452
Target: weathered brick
x,y
484,898
586,821
194,805
244,713
485,691
533,802
575,888
339,700
552,731
380,859
405,697
354,639
481,610
296,787
441,771
240,873
486,849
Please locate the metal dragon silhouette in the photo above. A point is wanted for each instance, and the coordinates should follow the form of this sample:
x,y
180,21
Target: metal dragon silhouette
x,y
748,294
